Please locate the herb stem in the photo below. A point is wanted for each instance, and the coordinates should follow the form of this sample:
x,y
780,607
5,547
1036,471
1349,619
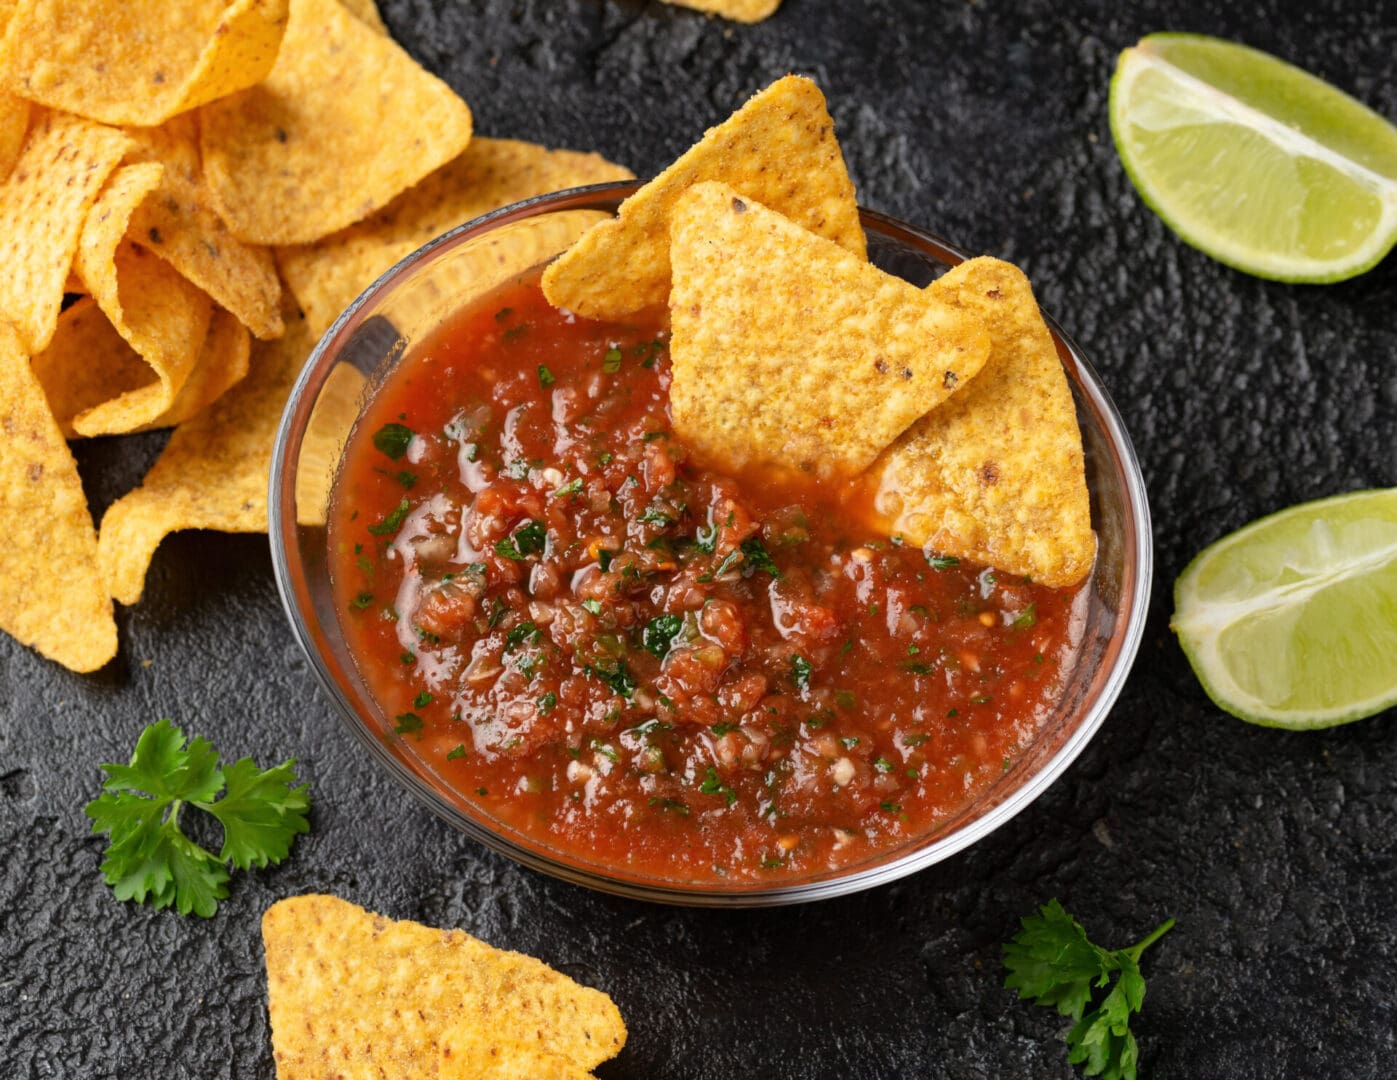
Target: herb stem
x,y
1159,931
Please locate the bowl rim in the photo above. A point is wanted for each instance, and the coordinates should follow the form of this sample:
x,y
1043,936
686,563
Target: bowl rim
x,y
1121,651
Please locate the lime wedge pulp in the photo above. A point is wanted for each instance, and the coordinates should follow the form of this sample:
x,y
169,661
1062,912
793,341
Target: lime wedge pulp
x,y
1253,161
1291,621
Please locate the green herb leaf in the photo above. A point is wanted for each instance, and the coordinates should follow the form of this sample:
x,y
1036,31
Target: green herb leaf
x,y
615,674
1026,618
545,377
1050,961
713,785
800,671
390,523
611,363
758,558
546,703
594,606
408,723
149,859
658,636
393,440
525,631
942,562
456,752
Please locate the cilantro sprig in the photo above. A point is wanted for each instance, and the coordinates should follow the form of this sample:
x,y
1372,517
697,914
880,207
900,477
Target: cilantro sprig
x,y
1050,961
150,859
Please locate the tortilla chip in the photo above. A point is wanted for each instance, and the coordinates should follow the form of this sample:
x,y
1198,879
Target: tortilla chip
x,y
213,472
14,125
366,11
747,11
159,314
326,276
353,994
178,222
345,122
43,205
469,1053
778,149
52,596
139,62
995,474
790,351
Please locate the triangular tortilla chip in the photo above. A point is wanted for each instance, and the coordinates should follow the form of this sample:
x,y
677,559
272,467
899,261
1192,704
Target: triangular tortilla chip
x,y
213,472
88,363
788,350
345,122
353,994
469,1052
52,596
747,11
14,125
178,223
326,276
995,474
366,11
139,62
160,314
778,149
43,205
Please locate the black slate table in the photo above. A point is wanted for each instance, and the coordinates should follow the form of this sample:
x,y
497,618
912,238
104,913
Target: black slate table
x,y
984,121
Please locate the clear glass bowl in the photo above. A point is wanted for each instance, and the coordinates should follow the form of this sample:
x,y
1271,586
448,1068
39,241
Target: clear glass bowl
x,y
408,302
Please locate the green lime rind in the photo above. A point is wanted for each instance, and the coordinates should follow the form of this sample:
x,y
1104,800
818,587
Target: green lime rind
x,y
1254,162
1291,621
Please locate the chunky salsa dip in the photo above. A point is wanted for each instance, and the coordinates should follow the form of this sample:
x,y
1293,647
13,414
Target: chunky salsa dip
x,y
644,663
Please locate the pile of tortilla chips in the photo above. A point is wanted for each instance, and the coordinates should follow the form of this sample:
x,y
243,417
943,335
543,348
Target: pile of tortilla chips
x,y
164,169
791,351
352,994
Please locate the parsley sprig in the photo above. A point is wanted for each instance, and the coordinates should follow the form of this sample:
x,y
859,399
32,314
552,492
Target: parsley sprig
x,y
149,858
1051,962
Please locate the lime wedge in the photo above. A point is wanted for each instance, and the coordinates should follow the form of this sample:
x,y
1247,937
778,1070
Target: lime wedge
x,y
1291,621
1253,161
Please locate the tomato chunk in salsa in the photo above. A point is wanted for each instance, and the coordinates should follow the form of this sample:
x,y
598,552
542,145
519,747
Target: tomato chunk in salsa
x,y
644,663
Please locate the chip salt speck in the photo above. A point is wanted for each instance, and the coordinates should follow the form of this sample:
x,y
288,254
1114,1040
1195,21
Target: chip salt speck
x,y
345,121
52,596
213,472
326,276
160,314
778,149
353,994
996,473
135,61
43,206
790,351
178,223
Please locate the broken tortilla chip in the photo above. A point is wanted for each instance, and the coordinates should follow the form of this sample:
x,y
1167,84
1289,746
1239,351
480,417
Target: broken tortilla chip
x,y
14,125
88,363
177,222
353,994
326,276
996,473
470,1053
44,203
138,63
345,122
213,472
366,11
159,314
747,11
788,350
52,596
778,149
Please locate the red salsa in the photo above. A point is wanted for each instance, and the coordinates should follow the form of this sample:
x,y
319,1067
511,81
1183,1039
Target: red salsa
x,y
642,662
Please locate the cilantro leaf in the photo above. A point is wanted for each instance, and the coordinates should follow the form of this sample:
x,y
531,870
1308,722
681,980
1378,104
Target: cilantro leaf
x,y
1051,961
393,440
150,860
758,558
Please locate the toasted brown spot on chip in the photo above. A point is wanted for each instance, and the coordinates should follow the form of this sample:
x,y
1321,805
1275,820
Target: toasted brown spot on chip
x,y
776,371
345,121
382,998
52,596
995,474
783,132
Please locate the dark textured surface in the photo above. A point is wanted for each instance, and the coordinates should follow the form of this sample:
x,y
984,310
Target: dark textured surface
x,y
986,122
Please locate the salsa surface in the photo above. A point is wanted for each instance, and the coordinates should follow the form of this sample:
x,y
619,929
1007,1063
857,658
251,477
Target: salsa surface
x,y
646,664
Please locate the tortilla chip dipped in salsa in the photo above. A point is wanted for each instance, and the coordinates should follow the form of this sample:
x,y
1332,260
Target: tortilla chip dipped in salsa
x,y
52,596
353,994
790,351
995,474
345,121
778,149
138,63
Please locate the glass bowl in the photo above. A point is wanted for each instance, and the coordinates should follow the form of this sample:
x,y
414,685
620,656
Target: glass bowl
x,y
410,301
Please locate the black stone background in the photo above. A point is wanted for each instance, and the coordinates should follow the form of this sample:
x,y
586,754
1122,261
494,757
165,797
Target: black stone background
x,y
986,122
